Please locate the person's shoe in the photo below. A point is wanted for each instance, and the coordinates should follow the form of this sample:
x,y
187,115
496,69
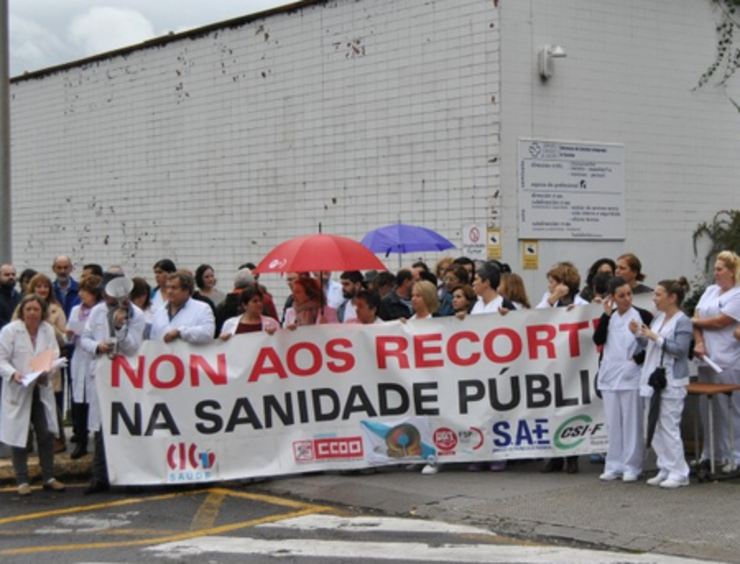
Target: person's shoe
x,y
699,464
79,451
657,480
96,488
571,465
59,446
476,467
430,469
597,458
24,490
609,477
54,485
729,468
629,478
497,466
671,484
553,465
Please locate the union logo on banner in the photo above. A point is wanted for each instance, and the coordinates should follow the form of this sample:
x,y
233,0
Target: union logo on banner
x,y
187,463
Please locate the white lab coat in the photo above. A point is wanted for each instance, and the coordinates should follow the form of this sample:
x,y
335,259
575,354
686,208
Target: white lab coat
x,y
128,339
16,353
231,324
80,368
194,320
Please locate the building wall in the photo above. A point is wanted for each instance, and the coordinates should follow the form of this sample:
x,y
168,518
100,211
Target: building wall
x,y
216,146
629,77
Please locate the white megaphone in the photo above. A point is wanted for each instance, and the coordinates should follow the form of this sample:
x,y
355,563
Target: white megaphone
x,y
119,288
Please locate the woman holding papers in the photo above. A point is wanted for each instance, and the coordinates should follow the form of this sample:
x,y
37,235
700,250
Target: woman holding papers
x,y
23,351
41,285
619,382
715,319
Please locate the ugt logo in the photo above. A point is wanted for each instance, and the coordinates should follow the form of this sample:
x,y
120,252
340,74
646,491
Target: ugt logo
x,y
180,456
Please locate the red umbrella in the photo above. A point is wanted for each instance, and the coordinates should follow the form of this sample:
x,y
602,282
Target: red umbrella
x,y
319,252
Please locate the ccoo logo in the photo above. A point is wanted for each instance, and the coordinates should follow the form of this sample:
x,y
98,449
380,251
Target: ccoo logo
x,y
182,456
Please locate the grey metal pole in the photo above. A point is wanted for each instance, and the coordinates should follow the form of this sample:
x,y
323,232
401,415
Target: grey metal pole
x,y
6,247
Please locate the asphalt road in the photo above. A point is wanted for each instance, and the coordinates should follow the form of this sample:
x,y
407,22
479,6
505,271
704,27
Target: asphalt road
x,y
239,524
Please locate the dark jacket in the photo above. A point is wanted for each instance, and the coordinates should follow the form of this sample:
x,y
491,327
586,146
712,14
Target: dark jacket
x,y
71,299
9,300
391,307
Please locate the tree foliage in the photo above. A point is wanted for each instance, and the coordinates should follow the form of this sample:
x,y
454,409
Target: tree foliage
x,y
727,60
723,233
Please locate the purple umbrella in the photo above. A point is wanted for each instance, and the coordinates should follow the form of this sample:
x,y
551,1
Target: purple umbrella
x,y
403,238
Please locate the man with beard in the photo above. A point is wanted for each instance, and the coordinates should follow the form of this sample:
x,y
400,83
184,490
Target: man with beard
x,y
9,296
351,282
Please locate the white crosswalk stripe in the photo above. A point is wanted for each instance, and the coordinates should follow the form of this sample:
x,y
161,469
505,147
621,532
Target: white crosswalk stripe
x,y
416,550
373,524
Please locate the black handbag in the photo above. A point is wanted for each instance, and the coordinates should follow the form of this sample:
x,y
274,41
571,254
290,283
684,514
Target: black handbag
x,y
657,379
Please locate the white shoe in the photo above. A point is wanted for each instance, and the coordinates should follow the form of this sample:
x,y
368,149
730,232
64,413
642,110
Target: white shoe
x,y
657,480
671,484
609,477
729,468
628,478
430,469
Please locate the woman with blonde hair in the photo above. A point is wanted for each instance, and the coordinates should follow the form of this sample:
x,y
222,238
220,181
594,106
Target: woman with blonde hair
x,y
424,300
715,320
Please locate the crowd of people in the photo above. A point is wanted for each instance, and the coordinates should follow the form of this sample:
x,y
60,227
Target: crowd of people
x,y
642,355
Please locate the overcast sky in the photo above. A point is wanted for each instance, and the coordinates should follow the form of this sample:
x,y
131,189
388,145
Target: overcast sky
x,y
45,33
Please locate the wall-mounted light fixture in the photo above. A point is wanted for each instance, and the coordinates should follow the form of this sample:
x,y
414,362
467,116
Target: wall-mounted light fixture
x,y
545,57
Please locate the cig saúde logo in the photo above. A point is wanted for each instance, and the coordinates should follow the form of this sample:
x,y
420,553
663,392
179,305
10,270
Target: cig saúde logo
x,y
182,456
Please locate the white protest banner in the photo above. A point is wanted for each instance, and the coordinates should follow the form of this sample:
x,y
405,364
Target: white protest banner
x,y
328,397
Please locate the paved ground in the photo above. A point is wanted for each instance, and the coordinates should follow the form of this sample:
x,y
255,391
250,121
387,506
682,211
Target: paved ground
x,y
700,521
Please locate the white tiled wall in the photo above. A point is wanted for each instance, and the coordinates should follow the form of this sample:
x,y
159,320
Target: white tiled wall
x,y
358,113
629,78
214,148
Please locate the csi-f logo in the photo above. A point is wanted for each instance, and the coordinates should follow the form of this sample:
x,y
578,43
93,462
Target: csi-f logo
x,y
574,431
182,456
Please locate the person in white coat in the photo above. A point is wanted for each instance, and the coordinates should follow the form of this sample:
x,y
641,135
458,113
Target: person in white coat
x,y
715,318
115,326
252,320
668,340
83,386
20,342
619,382
183,317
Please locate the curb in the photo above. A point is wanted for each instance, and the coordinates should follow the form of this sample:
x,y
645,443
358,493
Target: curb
x,y
64,467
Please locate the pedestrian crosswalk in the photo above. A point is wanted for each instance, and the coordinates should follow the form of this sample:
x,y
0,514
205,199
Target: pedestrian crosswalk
x,y
328,538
